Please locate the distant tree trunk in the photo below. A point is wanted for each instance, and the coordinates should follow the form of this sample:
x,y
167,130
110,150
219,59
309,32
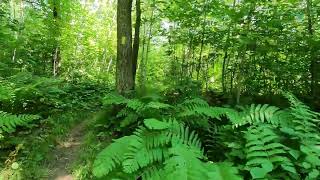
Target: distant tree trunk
x,y
183,68
56,50
135,48
200,57
206,77
225,58
148,43
202,39
124,74
315,58
189,56
142,62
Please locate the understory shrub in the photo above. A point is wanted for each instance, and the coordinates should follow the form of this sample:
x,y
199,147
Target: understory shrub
x,y
244,142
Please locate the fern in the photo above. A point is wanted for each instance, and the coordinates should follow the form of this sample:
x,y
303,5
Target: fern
x,y
304,121
303,129
263,141
265,152
113,99
258,114
6,92
9,122
135,110
160,149
223,171
157,105
112,156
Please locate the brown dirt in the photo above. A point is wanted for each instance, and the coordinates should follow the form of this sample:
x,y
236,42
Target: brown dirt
x,y
65,153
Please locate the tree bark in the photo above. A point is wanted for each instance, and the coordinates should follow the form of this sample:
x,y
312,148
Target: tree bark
x,y
315,58
56,50
124,74
142,62
225,58
202,39
135,48
148,43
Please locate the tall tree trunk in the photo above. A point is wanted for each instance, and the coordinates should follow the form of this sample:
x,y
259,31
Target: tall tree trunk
x,y
142,62
315,58
202,38
189,56
124,74
56,50
135,48
148,43
183,68
225,58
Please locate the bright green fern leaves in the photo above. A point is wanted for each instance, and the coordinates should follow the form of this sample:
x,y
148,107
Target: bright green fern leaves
x,y
256,141
265,153
9,122
111,157
134,111
159,150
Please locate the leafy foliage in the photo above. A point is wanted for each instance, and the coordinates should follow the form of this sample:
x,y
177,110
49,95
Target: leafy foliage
x,y
267,141
160,149
263,141
9,122
133,111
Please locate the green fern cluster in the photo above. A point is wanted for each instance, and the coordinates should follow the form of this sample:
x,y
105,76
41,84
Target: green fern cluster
x,y
160,150
248,115
9,122
271,143
6,91
262,141
265,153
133,111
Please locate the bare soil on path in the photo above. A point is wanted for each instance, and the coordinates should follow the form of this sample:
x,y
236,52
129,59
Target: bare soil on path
x,y
67,152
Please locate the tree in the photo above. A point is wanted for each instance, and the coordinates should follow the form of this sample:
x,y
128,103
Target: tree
x,y
56,51
135,48
315,58
124,67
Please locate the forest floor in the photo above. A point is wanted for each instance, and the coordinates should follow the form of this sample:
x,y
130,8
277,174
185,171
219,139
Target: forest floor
x,y
66,153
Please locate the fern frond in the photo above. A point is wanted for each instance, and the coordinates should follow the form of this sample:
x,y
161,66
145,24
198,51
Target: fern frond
x,y
265,152
129,119
156,124
111,156
184,164
124,112
304,121
113,99
153,144
158,105
140,158
222,171
195,102
258,114
135,104
152,173
9,122
6,92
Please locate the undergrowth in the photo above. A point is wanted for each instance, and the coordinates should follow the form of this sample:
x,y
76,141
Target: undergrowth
x,y
193,140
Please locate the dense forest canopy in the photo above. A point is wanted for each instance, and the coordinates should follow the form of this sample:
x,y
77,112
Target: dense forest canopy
x,y
185,89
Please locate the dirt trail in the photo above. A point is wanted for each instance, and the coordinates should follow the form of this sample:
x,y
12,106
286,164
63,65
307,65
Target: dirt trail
x,y
67,152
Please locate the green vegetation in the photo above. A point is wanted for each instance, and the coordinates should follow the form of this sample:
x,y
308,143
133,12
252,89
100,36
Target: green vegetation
x,y
150,89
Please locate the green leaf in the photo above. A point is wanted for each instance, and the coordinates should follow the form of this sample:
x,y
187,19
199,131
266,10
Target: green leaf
x,y
295,154
313,174
155,124
267,165
258,173
289,168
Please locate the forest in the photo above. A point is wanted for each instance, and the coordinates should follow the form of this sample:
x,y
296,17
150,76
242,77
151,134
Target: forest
x,y
159,89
